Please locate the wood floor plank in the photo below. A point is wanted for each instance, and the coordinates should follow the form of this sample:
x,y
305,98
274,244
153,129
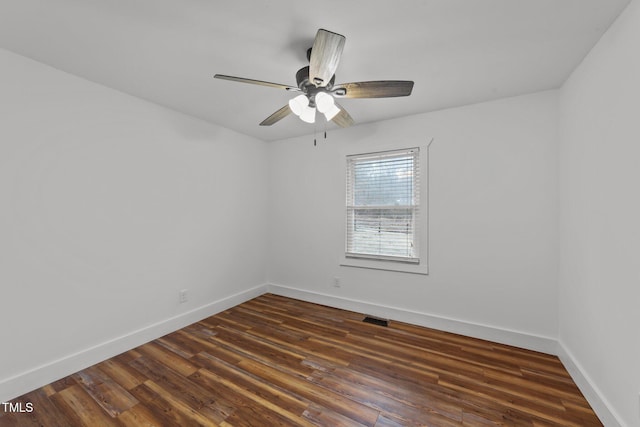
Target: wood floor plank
x,y
405,410
82,409
166,357
199,412
386,395
241,409
267,391
277,361
62,383
173,387
314,392
252,350
171,412
122,374
304,347
106,392
272,413
140,416
323,416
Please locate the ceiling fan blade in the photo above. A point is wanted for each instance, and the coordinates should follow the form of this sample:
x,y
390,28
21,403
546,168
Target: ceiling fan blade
x,y
277,116
255,82
374,89
325,55
342,119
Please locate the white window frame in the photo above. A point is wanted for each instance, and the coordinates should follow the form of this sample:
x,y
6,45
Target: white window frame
x,y
417,266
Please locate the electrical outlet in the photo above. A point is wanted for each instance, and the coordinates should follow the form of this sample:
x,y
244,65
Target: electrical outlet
x,y
336,282
183,296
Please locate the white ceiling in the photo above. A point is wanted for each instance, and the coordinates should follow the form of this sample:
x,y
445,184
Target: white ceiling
x,y
166,51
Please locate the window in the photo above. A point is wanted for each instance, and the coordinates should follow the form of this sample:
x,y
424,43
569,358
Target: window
x,y
383,206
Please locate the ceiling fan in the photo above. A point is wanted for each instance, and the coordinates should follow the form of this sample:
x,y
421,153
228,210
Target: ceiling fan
x,y
316,83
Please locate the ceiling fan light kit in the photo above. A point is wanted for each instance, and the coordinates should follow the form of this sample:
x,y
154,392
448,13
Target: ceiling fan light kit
x,y
302,107
331,112
308,114
317,84
298,103
326,105
324,102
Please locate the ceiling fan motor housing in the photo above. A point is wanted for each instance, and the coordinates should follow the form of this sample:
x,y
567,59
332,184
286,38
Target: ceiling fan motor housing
x,y
302,79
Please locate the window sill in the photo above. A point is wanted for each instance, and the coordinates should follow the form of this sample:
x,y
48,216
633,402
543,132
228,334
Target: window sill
x,y
376,264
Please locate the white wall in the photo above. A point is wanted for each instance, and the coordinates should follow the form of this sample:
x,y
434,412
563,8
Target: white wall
x,y
492,216
600,217
108,206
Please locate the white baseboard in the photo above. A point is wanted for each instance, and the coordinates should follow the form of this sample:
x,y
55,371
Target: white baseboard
x,y
22,383
591,392
490,333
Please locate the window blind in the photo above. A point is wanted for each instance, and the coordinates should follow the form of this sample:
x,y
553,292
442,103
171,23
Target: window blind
x,y
382,207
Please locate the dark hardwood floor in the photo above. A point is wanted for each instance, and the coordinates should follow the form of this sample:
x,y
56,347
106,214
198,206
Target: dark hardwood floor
x,y
275,361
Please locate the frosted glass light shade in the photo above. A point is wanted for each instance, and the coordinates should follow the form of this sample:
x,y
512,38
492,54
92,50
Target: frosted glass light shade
x,y
324,102
308,114
298,104
331,112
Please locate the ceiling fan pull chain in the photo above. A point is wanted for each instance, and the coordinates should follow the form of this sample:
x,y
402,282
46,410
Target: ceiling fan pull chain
x,y
315,134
